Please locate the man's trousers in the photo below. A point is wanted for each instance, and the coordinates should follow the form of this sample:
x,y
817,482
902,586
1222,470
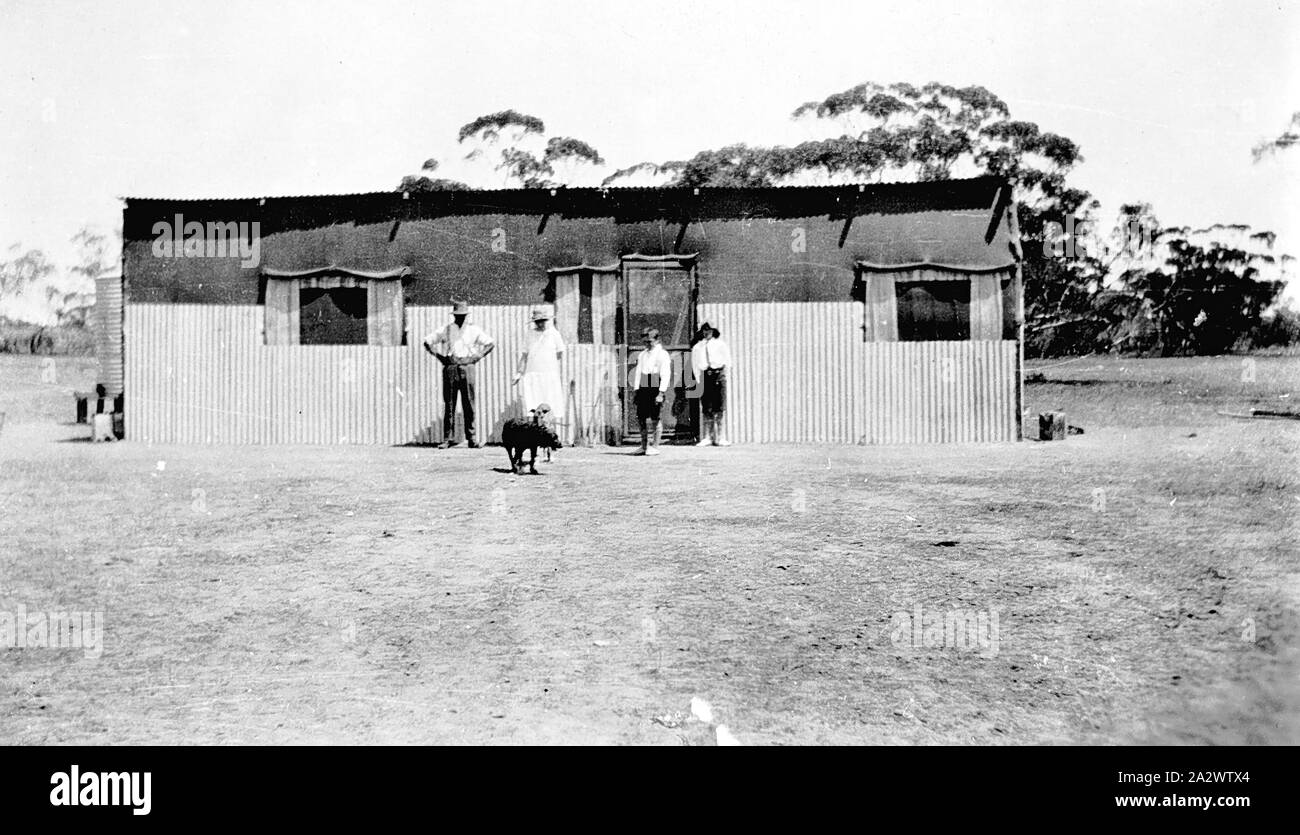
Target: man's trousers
x,y
457,379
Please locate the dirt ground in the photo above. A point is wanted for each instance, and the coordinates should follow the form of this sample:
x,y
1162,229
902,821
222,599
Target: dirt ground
x,y
1144,576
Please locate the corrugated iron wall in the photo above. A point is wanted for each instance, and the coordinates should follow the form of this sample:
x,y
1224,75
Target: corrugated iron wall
x,y
201,374
940,392
592,377
108,332
803,374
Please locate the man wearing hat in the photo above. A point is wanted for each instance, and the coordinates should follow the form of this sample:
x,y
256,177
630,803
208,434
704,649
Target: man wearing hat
x,y
458,346
710,357
654,372
537,374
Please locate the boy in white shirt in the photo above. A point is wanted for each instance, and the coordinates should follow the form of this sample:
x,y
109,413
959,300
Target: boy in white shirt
x,y
654,370
711,358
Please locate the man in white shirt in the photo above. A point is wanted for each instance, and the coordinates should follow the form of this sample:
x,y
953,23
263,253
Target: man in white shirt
x,y
654,371
458,347
710,357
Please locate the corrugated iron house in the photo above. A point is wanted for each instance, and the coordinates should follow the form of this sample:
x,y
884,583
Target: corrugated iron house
x,y
859,314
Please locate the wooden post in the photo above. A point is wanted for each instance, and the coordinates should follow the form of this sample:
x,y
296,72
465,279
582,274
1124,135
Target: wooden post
x,y
1020,351
1018,283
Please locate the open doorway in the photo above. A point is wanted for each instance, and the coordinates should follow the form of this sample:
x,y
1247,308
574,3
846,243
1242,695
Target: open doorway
x,y
660,293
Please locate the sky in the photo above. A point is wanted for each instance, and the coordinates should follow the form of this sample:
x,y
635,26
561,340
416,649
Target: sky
x,y
240,99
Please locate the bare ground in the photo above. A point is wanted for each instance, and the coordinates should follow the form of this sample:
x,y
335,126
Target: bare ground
x,y
1145,576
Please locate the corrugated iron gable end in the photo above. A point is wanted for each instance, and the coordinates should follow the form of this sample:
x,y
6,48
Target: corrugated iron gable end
x,y
107,320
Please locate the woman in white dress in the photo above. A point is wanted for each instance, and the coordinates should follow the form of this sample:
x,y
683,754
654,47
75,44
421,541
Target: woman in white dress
x,y
538,373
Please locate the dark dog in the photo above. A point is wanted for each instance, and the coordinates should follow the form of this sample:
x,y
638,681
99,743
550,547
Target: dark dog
x,y
528,434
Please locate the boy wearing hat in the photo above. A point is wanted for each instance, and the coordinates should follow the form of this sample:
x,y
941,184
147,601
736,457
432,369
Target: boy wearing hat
x,y
710,357
458,346
654,371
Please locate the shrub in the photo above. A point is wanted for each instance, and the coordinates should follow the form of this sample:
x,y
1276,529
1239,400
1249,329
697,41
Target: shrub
x,y
64,340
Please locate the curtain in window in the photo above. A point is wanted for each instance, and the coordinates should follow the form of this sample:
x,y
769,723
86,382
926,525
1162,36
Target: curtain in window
x,y
604,307
384,308
881,308
880,297
329,282
985,307
384,312
281,322
566,306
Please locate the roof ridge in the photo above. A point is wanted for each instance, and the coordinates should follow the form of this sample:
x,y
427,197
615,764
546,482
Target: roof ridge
x,y
920,185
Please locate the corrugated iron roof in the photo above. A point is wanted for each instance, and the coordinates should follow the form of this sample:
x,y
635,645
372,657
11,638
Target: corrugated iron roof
x,y
508,196
448,239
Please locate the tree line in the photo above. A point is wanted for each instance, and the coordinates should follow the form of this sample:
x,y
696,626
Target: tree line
x,y
1129,285
67,295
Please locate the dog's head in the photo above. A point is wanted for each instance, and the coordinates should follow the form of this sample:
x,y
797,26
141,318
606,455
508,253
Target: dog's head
x,y
545,423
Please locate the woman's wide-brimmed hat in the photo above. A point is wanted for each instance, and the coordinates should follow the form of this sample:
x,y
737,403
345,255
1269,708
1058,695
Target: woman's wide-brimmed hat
x,y
459,308
540,314
710,328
